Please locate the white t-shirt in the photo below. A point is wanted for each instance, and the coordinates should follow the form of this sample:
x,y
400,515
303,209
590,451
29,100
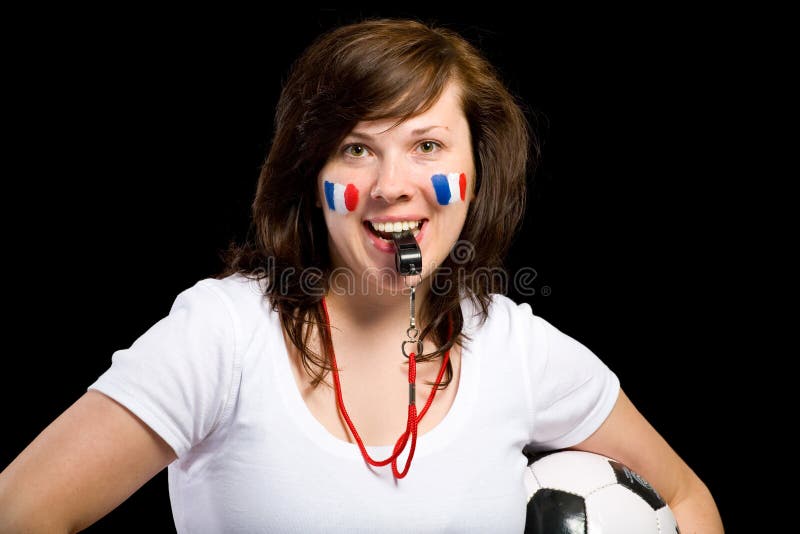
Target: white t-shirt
x,y
213,379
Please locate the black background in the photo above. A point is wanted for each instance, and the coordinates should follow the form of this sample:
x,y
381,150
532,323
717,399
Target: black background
x,y
136,147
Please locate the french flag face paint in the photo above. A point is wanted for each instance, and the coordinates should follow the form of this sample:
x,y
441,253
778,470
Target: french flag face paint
x,y
450,188
341,198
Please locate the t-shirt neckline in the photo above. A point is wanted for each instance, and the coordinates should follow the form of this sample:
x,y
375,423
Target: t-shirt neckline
x,y
433,440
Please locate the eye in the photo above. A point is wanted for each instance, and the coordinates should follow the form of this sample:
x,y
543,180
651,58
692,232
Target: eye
x,y
429,147
356,151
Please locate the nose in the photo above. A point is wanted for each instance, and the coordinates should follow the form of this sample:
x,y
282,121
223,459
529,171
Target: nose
x,y
393,183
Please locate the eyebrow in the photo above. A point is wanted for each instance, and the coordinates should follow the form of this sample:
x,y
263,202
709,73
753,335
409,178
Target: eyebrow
x,y
414,133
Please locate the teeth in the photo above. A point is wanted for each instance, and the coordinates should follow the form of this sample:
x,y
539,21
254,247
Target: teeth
x,y
397,226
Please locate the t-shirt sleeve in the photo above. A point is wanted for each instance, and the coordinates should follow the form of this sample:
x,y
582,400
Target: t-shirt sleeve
x,y
178,376
572,391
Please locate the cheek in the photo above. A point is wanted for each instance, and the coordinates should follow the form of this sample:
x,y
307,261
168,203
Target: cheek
x,y
341,198
450,188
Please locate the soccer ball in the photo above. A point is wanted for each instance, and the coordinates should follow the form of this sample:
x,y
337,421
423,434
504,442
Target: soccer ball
x,y
574,492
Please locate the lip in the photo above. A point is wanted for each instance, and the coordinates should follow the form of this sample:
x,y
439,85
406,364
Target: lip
x,y
385,246
396,218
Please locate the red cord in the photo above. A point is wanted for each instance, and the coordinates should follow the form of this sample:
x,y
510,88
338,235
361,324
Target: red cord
x,y
413,419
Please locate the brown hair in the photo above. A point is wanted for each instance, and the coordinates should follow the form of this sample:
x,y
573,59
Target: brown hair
x,y
373,70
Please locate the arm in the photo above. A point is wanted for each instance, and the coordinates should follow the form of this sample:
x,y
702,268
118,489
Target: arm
x,y
82,466
627,437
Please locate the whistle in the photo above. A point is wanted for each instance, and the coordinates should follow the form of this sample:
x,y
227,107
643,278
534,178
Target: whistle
x,y
407,255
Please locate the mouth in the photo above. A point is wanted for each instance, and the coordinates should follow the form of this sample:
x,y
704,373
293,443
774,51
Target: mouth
x,y
387,230
382,234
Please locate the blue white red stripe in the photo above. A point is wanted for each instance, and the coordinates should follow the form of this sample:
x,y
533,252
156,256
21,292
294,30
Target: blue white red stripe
x,y
341,198
450,188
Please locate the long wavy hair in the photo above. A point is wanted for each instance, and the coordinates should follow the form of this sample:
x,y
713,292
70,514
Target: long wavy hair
x,y
374,70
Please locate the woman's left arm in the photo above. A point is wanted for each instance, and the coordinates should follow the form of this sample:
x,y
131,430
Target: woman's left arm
x,y
627,437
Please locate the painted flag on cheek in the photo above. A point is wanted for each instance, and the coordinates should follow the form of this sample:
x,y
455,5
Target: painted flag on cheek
x,y
341,198
450,188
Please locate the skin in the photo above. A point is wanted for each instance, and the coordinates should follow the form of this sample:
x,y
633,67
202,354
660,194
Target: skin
x,y
628,437
97,453
392,167
83,465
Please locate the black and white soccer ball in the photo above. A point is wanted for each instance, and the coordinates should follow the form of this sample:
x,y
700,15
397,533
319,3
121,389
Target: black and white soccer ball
x,y
573,492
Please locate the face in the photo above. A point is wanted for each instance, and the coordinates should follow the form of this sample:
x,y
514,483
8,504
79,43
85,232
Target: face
x,y
419,174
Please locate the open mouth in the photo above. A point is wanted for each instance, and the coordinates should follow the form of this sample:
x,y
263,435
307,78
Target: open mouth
x,y
387,230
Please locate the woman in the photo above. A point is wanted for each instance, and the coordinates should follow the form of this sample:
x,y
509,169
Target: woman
x,y
312,387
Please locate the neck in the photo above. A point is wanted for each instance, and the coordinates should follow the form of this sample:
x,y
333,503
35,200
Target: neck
x,y
374,309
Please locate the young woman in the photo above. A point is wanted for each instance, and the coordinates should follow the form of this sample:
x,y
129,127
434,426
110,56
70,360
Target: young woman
x,y
312,387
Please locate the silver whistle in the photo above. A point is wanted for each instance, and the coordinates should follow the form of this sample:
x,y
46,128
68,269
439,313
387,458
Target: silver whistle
x,y
407,255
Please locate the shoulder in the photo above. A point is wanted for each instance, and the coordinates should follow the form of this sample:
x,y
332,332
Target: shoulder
x,y
242,295
502,313
237,288
513,322
236,297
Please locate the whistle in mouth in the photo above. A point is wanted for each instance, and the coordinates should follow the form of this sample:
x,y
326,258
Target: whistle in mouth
x,y
407,255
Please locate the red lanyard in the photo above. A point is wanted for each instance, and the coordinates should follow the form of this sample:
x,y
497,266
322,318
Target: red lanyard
x,y
413,419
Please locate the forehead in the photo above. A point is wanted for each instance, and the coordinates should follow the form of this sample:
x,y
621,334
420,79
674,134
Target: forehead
x,y
447,112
